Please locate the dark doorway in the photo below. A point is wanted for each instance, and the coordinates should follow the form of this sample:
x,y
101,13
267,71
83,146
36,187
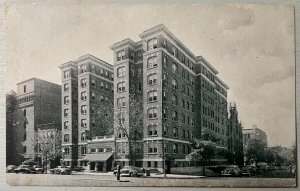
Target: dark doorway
x,y
100,166
92,167
168,165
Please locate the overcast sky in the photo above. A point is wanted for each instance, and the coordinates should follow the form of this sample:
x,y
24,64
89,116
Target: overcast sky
x,y
252,47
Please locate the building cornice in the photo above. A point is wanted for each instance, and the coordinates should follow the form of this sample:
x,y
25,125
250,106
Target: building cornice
x,y
68,64
201,59
125,42
162,28
222,83
95,59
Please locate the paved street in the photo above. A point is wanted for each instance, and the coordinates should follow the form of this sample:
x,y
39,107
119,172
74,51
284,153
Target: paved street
x,y
110,180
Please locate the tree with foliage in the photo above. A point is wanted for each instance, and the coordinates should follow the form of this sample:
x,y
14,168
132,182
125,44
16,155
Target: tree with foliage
x,y
255,151
47,145
132,128
203,152
294,151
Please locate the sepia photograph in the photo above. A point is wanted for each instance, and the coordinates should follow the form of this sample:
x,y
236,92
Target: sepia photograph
x,y
115,94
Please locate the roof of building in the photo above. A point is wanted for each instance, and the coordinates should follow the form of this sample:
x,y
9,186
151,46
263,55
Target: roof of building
x,y
37,79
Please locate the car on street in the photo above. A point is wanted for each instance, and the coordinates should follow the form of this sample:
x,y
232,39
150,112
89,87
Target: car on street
x,y
77,168
248,170
39,169
63,170
131,171
11,168
25,169
231,170
263,166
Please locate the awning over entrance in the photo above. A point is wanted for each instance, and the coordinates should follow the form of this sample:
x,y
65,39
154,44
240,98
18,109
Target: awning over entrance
x,y
97,156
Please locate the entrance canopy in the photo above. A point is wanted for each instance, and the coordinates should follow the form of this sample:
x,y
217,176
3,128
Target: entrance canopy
x,y
97,157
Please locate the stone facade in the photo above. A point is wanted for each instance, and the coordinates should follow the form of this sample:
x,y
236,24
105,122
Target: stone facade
x,y
180,93
38,103
87,105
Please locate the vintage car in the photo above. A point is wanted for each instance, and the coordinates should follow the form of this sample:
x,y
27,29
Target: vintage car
x,y
25,169
39,169
232,170
248,170
131,171
10,168
63,170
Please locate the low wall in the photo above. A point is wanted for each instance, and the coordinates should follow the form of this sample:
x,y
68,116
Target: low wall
x,y
195,170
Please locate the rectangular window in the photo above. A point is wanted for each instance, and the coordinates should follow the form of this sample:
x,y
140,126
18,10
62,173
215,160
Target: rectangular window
x,y
83,109
174,84
121,86
66,87
121,71
66,100
121,55
152,79
24,112
152,44
152,96
66,74
66,138
174,52
83,96
175,132
66,112
83,82
83,150
152,62
24,88
93,82
66,124
175,148
175,116
152,129
83,68
174,68
152,113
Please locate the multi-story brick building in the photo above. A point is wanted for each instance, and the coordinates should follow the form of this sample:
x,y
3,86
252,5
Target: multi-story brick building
x,y
254,133
87,107
38,102
179,93
235,137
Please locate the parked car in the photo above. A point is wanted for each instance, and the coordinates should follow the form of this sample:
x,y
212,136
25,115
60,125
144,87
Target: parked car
x,y
39,169
77,168
232,170
248,170
25,169
132,171
262,166
11,168
63,170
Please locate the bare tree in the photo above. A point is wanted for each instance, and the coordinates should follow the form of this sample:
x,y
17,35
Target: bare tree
x,y
133,128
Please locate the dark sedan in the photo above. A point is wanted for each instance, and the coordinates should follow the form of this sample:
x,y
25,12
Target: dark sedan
x,y
25,169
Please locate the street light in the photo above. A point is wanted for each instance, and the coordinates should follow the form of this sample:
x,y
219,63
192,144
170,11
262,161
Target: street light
x,y
63,154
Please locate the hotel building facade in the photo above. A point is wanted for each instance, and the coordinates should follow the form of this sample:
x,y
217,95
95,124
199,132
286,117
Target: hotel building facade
x,y
180,94
87,112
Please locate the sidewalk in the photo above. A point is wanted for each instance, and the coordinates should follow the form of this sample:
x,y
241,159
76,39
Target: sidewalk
x,y
152,175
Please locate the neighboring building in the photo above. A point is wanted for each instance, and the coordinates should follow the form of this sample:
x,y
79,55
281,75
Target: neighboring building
x,y
38,102
13,146
254,133
179,93
235,137
87,108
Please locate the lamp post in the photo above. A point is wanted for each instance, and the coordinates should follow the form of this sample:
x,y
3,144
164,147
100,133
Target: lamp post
x,y
63,155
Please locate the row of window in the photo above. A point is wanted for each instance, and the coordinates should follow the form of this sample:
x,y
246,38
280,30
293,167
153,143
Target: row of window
x,y
25,99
